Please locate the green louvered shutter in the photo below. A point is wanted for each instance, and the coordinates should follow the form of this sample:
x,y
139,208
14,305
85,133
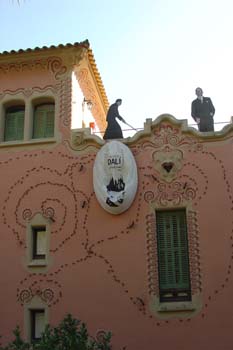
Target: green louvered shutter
x,y
49,132
43,125
14,124
173,257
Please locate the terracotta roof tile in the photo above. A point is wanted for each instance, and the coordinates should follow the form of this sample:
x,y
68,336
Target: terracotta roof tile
x,y
98,78
91,58
44,48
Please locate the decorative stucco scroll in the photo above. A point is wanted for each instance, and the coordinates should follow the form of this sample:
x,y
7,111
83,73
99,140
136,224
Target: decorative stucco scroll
x,y
54,64
172,194
27,92
49,291
65,101
83,140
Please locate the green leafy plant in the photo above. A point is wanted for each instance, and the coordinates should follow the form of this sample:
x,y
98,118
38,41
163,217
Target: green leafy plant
x,y
18,343
70,334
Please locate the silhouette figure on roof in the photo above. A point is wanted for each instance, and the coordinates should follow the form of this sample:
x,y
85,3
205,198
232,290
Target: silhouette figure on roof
x,y
203,111
113,130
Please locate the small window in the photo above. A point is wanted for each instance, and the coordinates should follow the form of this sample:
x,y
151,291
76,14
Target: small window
x,y
173,256
43,121
14,123
37,323
39,242
38,234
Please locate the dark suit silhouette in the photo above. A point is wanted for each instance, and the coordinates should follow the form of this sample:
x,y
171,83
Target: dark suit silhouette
x,y
205,111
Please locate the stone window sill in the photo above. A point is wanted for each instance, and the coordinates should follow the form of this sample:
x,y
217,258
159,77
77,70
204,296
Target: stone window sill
x,y
19,143
176,306
38,263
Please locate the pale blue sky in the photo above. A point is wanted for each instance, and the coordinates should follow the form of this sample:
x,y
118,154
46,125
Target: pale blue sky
x,y
151,53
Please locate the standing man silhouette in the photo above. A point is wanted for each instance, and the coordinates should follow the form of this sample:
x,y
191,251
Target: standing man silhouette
x,y
203,111
113,130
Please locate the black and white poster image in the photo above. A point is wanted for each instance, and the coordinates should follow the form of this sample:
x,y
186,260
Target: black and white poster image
x,y
115,177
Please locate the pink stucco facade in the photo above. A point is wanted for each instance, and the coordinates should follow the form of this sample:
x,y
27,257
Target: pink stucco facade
x,y
102,267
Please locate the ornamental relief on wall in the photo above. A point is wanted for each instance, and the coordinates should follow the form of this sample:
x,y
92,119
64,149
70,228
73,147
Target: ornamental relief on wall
x,y
54,64
167,162
166,134
172,194
49,291
172,178
27,92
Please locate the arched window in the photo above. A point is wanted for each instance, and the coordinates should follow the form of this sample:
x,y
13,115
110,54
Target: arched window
x,y
14,123
43,121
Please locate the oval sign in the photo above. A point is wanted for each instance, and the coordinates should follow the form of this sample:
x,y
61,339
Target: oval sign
x,y
115,177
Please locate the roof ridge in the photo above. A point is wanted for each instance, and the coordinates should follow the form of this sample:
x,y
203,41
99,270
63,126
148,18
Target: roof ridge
x,y
84,44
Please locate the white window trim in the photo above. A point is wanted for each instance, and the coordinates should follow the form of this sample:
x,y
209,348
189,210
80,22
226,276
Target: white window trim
x,y
37,221
35,304
29,103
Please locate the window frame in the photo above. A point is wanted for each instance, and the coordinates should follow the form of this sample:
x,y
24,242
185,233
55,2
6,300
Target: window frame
x,y
9,112
33,313
36,303
45,117
175,258
35,231
35,262
19,99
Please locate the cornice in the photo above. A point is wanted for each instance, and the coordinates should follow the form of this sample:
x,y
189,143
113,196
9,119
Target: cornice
x,y
82,139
